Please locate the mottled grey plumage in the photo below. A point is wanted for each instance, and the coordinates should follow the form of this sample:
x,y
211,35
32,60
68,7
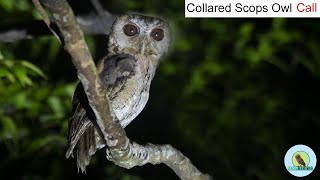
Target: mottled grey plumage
x,y
136,44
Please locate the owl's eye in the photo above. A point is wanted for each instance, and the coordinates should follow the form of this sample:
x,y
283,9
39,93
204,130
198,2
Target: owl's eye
x,y
157,34
130,30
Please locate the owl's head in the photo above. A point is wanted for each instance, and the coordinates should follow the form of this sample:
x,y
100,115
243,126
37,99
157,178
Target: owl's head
x,y
139,35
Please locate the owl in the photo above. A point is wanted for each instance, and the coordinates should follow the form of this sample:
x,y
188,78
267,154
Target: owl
x,y
300,160
136,44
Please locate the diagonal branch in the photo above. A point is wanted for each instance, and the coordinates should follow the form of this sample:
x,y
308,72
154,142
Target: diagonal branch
x,y
120,150
91,23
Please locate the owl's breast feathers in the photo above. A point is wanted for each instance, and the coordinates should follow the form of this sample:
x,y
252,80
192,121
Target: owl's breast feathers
x,y
127,86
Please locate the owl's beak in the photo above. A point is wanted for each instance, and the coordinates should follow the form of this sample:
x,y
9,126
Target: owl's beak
x,y
142,47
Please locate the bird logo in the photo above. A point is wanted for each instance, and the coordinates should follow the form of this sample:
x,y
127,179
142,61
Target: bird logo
x,y
300,160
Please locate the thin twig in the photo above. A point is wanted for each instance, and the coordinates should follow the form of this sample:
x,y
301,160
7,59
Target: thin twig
x,y
45,18
90,24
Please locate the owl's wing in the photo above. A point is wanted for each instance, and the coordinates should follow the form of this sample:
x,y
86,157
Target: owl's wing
x,y
84,137
117,70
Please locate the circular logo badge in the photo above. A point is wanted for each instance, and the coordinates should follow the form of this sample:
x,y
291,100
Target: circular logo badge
x,y
300,160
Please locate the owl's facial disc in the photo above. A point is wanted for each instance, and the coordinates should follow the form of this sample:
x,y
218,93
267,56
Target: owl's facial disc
x,y
140,35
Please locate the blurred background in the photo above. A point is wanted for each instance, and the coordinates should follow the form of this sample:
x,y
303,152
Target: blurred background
x,y
233,95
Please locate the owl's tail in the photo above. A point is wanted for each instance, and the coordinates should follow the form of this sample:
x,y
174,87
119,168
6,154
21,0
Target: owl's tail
x,y
87,146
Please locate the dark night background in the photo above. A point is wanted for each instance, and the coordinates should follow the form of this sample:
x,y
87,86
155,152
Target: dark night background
x,y
233,95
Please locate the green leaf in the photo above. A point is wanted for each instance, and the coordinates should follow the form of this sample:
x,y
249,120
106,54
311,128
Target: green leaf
x,y
246,29
23,5
56,105
7,5
126,177
33,68
9,63
4,72
20,100
21,74
9,128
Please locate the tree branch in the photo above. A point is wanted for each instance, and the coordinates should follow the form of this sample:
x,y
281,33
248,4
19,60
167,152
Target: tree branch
x,y
92,24
120,150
